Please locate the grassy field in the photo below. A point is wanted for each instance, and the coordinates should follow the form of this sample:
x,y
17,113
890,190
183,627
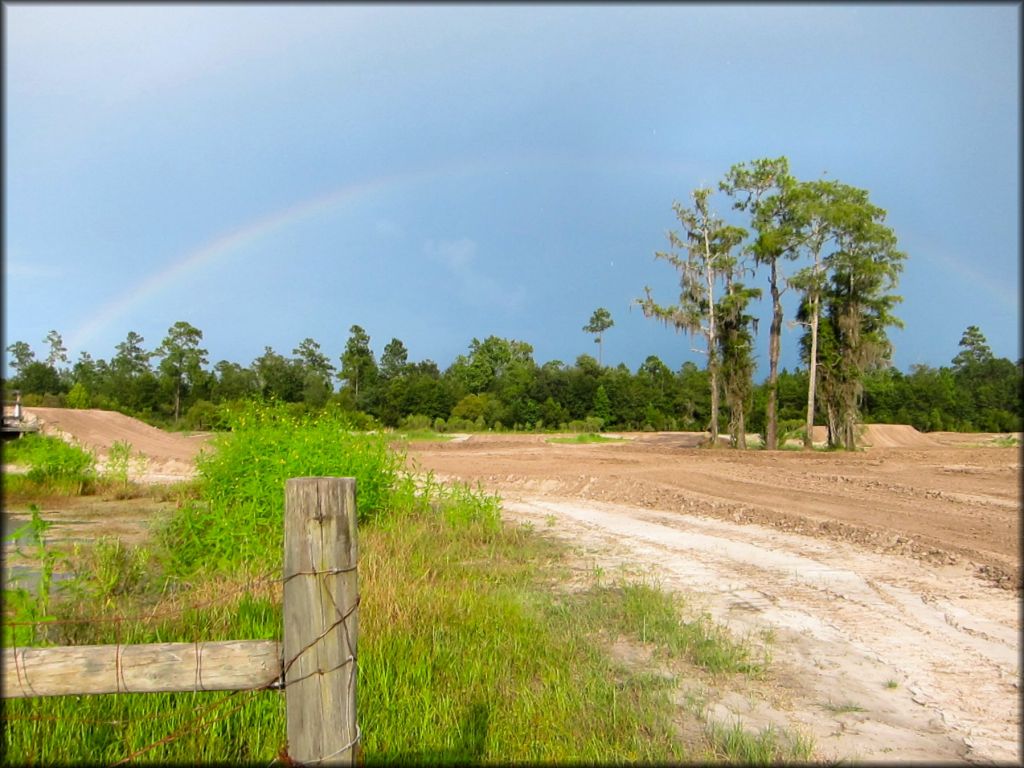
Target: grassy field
x,y
472,648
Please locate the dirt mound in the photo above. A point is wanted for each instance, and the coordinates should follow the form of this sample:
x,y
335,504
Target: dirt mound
x,y
896,436
97,430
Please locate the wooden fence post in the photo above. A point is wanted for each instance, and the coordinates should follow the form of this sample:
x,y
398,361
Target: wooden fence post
x,y
320,619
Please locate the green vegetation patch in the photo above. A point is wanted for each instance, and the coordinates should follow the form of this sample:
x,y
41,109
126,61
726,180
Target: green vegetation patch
x,y
650,615
769,746
239,516
54,466
465,655
586,438
421,435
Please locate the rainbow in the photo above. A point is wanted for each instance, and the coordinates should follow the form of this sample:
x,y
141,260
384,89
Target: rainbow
x,y
226,243
254,230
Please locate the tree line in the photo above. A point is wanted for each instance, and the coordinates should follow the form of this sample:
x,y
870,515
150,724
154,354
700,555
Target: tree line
x,y
496,384
822,239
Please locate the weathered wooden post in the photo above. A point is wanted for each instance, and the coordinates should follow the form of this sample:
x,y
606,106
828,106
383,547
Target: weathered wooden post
x,y
321,599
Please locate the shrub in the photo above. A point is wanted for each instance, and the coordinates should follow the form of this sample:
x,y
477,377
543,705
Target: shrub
x,y
53,464
78,397
239,516
414,422
456,424
589,424
204,415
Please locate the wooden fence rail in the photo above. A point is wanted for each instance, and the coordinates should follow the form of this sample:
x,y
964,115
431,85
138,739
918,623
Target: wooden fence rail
x,y
316,662
77,670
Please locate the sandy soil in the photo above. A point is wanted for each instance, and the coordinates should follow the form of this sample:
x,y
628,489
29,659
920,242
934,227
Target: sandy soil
x,y
162,456
889,578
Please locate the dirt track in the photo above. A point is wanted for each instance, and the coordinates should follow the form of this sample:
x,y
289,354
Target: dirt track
x,y
163,456
888,577
941,500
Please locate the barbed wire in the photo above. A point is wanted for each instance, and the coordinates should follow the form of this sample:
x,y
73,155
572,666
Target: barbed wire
x,y
279,683
221,599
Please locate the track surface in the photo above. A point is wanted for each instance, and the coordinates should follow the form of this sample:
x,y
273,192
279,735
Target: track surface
x,y
162,456
886,576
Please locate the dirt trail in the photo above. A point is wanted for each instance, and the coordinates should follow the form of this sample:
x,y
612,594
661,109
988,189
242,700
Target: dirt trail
x,y
845,624
164,456
886,576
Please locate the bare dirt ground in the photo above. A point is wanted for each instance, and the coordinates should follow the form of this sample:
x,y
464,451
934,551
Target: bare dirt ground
x,y
889,579
162,456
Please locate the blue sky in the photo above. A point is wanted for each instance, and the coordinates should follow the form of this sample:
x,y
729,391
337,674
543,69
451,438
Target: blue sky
x,y
438,173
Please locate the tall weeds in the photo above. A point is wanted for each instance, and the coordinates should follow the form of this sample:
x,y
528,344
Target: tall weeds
x,y
55,467
238,518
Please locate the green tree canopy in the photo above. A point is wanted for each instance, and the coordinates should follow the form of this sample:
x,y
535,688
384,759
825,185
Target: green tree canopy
x,y
182,360
358,365
600,322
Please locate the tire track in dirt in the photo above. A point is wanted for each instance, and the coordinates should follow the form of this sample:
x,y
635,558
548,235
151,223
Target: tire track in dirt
x,y
842,631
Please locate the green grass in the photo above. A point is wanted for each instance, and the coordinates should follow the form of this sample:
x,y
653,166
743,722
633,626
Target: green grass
x,y
645,613
420,435
586,438
1006,441
769,746
55,467
842,708
463,650
499,669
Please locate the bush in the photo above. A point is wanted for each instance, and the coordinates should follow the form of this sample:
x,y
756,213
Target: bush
x,y
456,424
239,517
589,424
204,415
53,464
360,420
78,397
791,429
414,423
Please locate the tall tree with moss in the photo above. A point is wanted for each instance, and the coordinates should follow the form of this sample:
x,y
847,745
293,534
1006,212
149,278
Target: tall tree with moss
x,y
707,244
814,204
764,188
857,303
736,347
600,322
